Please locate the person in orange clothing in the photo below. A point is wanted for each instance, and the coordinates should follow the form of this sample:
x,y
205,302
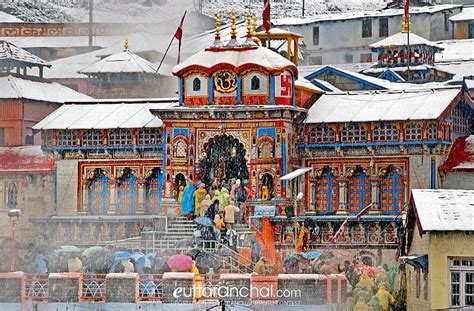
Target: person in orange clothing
x,y
218,226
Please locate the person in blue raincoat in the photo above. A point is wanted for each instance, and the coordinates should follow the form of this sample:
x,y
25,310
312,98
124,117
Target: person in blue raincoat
x,y
187,203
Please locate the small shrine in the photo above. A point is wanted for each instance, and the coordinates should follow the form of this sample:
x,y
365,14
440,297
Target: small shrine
x,y
17,61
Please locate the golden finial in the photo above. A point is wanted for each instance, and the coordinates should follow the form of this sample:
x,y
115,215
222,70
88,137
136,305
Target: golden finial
x,y
233,33
218,24
249,24
254,29
125,45
406,23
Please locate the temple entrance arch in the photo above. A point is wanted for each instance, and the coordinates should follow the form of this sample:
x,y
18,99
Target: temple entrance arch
x,y
224,159
266,186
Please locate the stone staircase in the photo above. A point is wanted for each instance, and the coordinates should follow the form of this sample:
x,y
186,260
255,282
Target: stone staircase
x,y
178,229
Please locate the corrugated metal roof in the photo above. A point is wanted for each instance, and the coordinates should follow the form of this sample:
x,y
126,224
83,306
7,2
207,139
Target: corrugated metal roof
x,y
381,106
444,210
104,116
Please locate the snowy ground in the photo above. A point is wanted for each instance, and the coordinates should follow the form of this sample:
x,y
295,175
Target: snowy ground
x,y
140,11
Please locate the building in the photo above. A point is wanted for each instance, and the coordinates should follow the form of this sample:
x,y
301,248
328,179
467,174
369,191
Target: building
x,y
457,172
345,37
463,24
439,257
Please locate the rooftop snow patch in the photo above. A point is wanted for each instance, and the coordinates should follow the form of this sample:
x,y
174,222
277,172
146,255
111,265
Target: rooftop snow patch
x,y
123,62
400,39
467,14
444,210
461,156
10,52
381,106
16,88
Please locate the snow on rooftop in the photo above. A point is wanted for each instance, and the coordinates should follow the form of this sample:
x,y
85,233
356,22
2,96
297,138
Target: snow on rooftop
x,y
381,106
401,39
455,50
104,116
122,62
444,210
467,14
360,14
305,84
237,58
10,52
461,155
14,87
8,18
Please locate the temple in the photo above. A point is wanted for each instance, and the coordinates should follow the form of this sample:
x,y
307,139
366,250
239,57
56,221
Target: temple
x,y
242,113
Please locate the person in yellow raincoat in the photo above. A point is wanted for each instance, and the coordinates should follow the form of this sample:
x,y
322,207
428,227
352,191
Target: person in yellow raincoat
x,y
197,281
361,305
199,196
366,283
384,297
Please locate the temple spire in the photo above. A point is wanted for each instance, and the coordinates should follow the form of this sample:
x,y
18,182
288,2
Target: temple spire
x,y
217,40
233,33
125,45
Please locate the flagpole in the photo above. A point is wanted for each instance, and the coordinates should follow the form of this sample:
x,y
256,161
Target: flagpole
x,y
164,55
408,43
179,32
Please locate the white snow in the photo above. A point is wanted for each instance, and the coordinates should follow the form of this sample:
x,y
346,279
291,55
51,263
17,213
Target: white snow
x,y
9,51
8,18
401,39
104,116
444,210
122,62
305,84
381,106
14,87
455,50
467,14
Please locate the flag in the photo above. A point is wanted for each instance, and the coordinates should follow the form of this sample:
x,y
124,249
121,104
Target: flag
x,y
179,35
266,15
364,211
340,231
299,243
407,8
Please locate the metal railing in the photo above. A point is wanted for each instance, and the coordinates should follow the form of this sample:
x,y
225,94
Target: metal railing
x,y
150,287
228,256
93,287
207,286
36,287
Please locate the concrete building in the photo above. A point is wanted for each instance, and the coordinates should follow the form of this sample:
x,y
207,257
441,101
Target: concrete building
x,y
345,37
440,258
463,24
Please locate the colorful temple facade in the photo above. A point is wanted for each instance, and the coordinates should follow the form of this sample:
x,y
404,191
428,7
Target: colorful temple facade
x,y
243,114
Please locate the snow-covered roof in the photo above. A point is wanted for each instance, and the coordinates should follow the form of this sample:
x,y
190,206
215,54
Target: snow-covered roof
x,y
296,173
381,106
401,39
305,84
14,87
122,62
444,210
104,116
10,52
237,58
467,14
24,160
461,156
455,50
360,14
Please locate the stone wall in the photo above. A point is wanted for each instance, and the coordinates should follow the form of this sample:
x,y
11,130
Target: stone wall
x,y
459,180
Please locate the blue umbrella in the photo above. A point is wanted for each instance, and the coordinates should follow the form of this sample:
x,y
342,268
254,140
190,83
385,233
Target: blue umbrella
x,y
121,255
311,255
204,221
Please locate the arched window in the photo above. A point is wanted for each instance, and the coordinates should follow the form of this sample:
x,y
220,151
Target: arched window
x,y
432,131
66,138
97,192
265,150
413,131
322,134
255,83
385,132
127,198
196,85
392,190
93,138
149,136
359,190
120,137
354,133
325,192
180,149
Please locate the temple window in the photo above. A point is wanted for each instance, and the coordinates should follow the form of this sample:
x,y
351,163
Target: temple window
x,y
97,192
47,138
432,131
92,138
392,190
325,192
149,136
66,138
120,137
255,83
180,149
359,190
413,131
366,28
383,27
322,134
152,187
127,198
354,133
460,120
385,132
196,84
265,150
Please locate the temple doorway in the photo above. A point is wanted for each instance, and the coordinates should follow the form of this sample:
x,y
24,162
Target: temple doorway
x,y
224,160
266,187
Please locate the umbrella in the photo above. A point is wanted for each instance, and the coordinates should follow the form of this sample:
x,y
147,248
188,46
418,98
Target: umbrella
x,y
204,221
311,255
121,255
194,252
206,261
68,249
88,251
180,262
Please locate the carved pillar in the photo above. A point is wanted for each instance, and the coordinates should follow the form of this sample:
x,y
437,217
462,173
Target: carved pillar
x,y
375,189
113,198
343,204
141,197
85,199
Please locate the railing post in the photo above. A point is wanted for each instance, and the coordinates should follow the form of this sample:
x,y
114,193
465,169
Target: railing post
x,y
122,287
64,287
13,287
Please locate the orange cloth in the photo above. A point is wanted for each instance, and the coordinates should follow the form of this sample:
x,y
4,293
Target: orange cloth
x,y
219,224
299,244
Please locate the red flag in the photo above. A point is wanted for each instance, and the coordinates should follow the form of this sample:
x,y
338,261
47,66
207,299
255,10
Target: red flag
x,y
340,231
266,15
407,7
364,211
179,35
